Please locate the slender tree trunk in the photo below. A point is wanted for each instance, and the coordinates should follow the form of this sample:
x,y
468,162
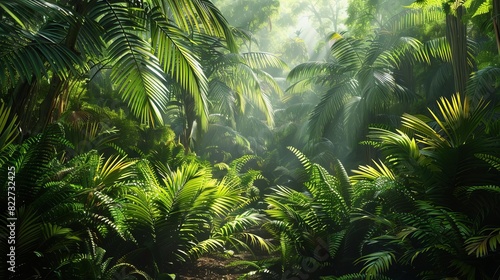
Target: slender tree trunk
x,y
190,115
496,22
22,99
456,33
50,102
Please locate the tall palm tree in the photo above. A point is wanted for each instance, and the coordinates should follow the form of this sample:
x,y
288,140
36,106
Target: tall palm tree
x,y
240,89
144,43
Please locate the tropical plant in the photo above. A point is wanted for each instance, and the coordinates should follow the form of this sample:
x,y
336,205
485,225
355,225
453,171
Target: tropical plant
x,y
62,200
183,213
444,145
444,218
309,224
94,265
40,246
145,43
357,82
241,91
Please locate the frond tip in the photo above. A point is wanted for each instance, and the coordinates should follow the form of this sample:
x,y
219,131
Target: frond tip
x,y
484,244
376,263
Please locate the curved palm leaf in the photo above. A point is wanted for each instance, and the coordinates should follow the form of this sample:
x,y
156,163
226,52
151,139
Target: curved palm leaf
x,y
262,60
202,15
376,263
26,55
242,78
482,83
457,123
174,53
136,71
371,173
8,128
485,243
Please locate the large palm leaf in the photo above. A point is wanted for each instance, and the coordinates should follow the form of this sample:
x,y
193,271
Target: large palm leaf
x,y
115,31
29,43
241,78
136,71
175,53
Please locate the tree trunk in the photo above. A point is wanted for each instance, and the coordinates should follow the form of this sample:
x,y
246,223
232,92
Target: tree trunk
x,y
456,34
50,102
22,99
190,115
496,22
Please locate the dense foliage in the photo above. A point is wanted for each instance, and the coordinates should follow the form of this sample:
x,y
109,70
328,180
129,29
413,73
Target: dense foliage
x,y
139,136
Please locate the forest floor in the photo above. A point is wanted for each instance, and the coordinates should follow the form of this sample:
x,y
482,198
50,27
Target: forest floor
x,y
215,267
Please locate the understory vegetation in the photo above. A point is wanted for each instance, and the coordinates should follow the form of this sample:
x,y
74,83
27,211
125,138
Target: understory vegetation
x,y
139,136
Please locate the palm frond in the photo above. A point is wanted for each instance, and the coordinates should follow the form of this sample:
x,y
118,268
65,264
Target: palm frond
x,y
262,60
380,89
330,105
491,159
89,135
310,71
26,55
112,171
484,244
371,173
438,48
306,163
482,83
345,187
425,133
376,263
202,15
459,119
33,160
175,54
269,83
8,127
414,17
136,71
346,51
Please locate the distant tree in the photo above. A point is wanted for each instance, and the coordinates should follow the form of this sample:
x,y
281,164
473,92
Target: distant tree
x,y
365,16
358,83
249,15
